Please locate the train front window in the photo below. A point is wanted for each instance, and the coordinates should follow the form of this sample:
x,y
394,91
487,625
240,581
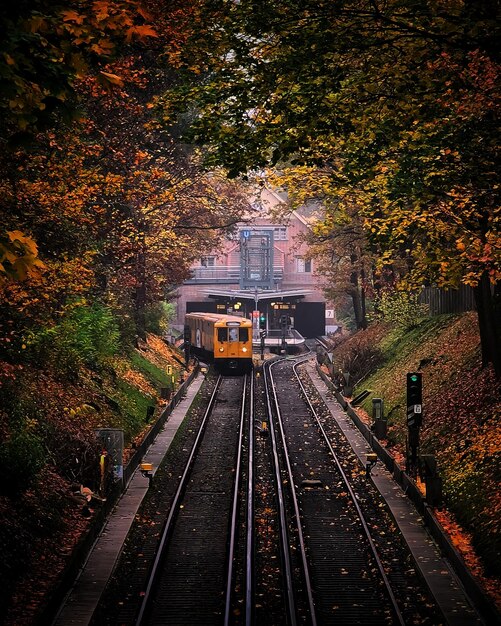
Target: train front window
x,y
222,334
233,334
243,334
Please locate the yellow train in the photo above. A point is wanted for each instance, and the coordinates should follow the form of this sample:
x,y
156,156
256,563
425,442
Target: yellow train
x,y
224,339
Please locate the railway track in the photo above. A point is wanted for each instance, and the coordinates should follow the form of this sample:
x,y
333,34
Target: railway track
x,y
193,564
271,521
342,573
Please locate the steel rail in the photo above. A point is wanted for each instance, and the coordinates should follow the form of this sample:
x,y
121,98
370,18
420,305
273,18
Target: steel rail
x,y
167,528
250,528
234,510
353,496
284,537
302,545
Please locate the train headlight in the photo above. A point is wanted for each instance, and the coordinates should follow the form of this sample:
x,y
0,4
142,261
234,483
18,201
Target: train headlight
x,y
244,349
221,349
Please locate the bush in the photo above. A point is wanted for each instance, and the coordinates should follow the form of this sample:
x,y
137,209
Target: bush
x,y
158,316
97,336
400,308
358,354
87,336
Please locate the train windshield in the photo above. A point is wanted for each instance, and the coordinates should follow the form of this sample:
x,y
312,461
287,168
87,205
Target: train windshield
x,y
222,334
243,334
232,334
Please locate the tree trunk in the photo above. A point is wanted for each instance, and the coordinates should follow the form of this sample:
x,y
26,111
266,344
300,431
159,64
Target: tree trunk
x,y
362,297
360,321
358,303
489,332
140,303
357,294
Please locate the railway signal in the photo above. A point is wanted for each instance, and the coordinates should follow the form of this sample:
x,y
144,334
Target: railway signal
x,y
414,399
262,321
414,416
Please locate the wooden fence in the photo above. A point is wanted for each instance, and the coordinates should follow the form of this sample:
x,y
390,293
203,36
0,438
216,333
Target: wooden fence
x,y
442,300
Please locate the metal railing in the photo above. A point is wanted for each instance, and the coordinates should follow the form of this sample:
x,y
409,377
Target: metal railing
x,y
230,273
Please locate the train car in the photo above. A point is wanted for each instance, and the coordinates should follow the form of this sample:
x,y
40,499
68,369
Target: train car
x,y
224,339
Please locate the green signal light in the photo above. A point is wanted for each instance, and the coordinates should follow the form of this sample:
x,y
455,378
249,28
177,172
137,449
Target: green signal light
x,y
414,378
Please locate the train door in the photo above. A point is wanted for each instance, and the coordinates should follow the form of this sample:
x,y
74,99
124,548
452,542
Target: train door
x,y
233,328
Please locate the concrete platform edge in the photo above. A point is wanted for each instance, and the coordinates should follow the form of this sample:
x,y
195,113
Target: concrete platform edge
x,y
86,544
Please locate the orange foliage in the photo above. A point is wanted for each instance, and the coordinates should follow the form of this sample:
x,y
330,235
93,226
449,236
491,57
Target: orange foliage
x,y
136,379
461,428
462,541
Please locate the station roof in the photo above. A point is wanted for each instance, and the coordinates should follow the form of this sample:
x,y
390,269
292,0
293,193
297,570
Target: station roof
x,y
247,294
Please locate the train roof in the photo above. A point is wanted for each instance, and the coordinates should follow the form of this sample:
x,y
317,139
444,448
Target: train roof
x,y
218,317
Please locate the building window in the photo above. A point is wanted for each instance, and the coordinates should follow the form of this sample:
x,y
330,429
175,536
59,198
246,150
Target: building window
x,y
208,261
303,265
280,233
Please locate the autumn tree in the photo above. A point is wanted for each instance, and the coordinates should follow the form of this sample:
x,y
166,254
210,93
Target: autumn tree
x,y
343,263
46,49
398,100
117,209
163,210
336,238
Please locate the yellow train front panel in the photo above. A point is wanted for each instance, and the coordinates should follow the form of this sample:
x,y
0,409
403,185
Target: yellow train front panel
x,y
233,339
225,338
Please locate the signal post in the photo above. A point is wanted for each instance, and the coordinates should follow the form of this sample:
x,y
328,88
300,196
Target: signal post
x,y
414,417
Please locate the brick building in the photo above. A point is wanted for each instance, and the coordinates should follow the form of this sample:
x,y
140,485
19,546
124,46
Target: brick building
x,y
263,268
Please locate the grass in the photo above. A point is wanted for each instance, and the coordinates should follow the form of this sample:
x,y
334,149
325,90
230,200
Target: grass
x,y
154,374
461,410
134,406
